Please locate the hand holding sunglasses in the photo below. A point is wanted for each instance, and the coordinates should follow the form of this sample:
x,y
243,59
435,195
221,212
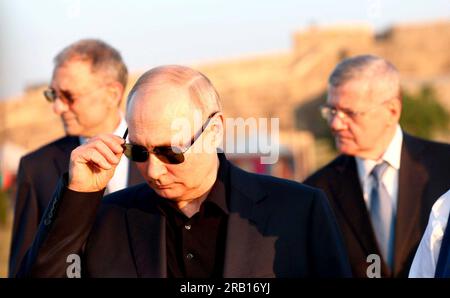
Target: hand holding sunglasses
x,y
92,164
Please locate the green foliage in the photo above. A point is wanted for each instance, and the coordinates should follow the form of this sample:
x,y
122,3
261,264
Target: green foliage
x,y
422,114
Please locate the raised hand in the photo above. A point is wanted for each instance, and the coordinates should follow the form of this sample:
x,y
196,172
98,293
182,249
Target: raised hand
x,y
92,165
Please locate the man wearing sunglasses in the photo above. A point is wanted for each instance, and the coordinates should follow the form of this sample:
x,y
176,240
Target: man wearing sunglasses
x,y
385,181
86,91
197,216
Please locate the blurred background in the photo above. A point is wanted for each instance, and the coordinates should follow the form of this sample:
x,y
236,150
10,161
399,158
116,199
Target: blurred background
x,y
266,58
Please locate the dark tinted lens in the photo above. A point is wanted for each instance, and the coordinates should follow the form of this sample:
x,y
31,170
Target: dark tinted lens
x,y
136,152
67,96
167,155
50,95
139,153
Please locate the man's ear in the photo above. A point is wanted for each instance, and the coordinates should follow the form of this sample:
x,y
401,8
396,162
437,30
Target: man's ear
x,y
217,126
115,92
395,109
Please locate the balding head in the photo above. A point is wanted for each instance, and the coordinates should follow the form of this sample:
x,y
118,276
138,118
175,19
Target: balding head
x,y
201,92
166,95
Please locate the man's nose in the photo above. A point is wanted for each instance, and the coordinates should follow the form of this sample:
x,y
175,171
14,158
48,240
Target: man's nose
x,y
59,106
336,123
155,167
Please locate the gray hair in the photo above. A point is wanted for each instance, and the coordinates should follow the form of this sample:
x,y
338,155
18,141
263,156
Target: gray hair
x,y
201,90
377,70
102,57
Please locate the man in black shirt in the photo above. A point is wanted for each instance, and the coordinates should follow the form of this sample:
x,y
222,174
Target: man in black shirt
x,y
197,216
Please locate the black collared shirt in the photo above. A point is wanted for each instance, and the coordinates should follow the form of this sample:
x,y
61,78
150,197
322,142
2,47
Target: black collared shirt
x,y
196,246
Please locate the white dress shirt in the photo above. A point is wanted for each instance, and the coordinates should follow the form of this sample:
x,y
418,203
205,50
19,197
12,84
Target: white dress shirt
x,y
425,260
392,156
120,178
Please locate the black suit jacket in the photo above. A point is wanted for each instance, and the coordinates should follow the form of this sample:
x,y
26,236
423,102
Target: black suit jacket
x,y
276,228
38,176
424,176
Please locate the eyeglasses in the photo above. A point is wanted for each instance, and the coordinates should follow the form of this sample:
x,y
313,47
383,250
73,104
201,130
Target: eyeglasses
x,y
166,154
328,112
52,95
65,96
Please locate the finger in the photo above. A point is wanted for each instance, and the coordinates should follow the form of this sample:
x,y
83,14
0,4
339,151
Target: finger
x,y
112,141
105,151
95,157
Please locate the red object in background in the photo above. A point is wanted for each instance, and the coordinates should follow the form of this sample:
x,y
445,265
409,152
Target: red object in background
x,y
7,180
259,167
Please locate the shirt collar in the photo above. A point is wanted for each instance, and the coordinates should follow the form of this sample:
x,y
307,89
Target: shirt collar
x,y
394,150
119,131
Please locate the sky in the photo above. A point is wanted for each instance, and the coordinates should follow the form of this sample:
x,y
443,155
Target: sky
x,y
154,32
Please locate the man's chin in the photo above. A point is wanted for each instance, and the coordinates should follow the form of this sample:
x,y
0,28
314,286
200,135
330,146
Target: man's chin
x,y
71,131
345,148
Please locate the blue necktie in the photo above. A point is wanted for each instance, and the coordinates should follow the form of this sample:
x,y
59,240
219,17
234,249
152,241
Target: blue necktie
x,y
381,213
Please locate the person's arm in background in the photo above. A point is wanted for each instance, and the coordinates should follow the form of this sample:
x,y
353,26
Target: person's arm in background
x,y
425,260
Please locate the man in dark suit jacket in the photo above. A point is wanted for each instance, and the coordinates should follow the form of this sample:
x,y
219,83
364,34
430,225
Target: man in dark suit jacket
x,y
86,90
197,216
363,109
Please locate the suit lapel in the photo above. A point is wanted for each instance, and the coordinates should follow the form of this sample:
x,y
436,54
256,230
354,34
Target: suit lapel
x,y
412,181
350,200
246,249
146,228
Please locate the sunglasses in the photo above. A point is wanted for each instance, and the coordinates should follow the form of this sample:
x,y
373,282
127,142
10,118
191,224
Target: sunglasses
x,y
167,154
51,95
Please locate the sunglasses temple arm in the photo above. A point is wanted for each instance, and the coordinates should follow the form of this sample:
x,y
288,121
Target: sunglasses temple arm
x,y
125,134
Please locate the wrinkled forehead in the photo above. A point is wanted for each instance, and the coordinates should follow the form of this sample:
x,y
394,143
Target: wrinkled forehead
x,y
156,114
